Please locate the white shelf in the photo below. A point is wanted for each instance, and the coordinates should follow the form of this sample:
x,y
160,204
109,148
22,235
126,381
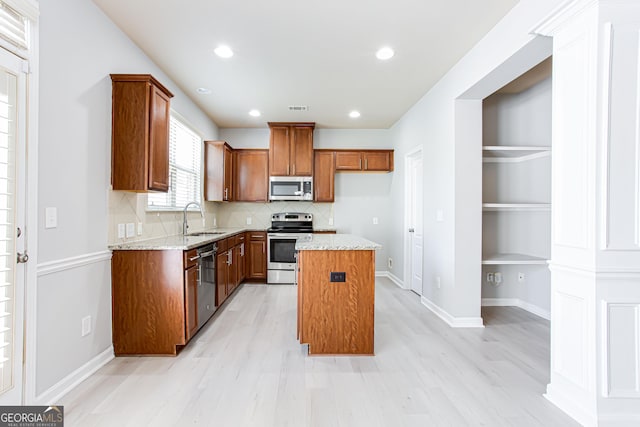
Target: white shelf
x,y
513,153
513,259
516,206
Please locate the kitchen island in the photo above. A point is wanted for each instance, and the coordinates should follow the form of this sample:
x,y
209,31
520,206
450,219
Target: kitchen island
x,y
336,294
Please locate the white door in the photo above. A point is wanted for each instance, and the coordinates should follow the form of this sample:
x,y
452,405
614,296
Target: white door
x,y
414,204
12,225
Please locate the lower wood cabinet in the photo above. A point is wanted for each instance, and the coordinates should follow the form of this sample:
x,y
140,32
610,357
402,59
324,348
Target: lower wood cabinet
x,y
153,302
256,262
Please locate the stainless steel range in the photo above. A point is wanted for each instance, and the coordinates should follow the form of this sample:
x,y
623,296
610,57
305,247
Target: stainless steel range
x,y
286,228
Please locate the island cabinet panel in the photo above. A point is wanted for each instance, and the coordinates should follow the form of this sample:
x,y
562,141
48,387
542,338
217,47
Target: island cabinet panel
x,y
336,317
148,302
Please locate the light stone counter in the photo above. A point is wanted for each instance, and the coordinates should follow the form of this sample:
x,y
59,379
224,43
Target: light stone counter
x,y
335,242
178,241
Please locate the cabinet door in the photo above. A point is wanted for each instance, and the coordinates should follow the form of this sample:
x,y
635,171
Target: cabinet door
x,y
377,161
301,151
159,141
232,279
324,175
257,260
228,174
242,264
222,277
279,151
191,301
348,160
252,175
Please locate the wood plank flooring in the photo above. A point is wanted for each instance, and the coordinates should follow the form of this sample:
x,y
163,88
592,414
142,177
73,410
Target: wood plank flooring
x,y
245,368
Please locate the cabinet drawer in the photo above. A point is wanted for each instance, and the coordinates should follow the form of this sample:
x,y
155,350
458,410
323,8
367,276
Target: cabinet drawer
x,y
240,238
190,258
257,235
223,244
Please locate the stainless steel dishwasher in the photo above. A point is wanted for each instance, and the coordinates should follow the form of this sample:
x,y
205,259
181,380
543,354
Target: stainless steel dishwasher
x,y
206,293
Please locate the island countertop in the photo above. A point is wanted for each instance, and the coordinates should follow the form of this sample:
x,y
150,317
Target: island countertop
x,y
335,242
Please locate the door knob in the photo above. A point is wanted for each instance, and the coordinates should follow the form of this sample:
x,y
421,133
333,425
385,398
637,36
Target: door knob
x,y
411,230
22,257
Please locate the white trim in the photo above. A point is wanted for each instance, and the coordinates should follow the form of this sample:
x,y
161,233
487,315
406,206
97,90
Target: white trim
x,y
454,322
73,262
68,383
409,157
516,302
601,273
389,275
566,403
567,9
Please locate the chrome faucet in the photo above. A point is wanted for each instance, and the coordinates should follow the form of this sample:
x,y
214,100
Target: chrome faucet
x,y
185,225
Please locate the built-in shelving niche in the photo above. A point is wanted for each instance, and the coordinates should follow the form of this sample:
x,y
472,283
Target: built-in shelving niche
x,y
516,208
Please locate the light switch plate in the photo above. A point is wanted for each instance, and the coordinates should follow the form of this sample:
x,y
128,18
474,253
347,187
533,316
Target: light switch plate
x,y
50,217
331,221
249,220
375,220
131,230
439,215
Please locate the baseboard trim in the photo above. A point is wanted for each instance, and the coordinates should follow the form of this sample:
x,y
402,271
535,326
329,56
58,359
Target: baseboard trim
x,y
391,277
454,322
64,386
73,262
569,406
516,302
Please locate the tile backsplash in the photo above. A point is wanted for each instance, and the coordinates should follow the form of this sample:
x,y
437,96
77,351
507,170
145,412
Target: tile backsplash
x,y
126,208
236,214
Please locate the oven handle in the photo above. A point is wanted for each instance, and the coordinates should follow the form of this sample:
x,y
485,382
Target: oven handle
x,y
288,235
206,254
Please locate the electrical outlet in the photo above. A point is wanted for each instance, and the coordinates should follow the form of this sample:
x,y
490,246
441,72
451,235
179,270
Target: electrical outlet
x,y
139,229
121,231
330,221
439,215
86,326
249,220
520,277
390,263
490,277
375,220
498,278
215,221
50,217
438,283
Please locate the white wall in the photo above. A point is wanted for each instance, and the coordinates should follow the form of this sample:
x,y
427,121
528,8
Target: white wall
x,y
359,197
507,51
79,48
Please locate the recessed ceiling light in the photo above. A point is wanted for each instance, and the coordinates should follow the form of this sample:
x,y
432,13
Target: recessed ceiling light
x,y
354,114
385,53
254,113
203,91
223,51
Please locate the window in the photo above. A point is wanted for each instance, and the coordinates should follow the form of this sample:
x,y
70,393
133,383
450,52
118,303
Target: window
x,y
185,158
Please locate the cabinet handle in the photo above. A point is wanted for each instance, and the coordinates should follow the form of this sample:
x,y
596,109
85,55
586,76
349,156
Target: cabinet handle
x,y
366,164
287,169
193,258
242,249
253,236
226,193
360,164
229,257
294,169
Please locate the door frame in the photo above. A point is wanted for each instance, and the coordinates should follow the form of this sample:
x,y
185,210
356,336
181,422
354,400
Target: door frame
x,y
408,160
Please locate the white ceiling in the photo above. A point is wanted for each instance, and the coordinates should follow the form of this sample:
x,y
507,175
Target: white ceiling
x,y
299,52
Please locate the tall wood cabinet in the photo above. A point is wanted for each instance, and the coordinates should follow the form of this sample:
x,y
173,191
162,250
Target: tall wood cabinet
x,y
291,149
252,175
324,170
140,133
218,166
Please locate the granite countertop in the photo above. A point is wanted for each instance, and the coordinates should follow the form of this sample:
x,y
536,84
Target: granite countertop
x,y
178,241
335,242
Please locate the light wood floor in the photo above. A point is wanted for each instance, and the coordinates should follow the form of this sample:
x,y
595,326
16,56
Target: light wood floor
x,y
246,368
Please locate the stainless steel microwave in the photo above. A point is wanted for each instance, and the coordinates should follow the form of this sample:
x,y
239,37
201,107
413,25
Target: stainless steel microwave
x,y
291,188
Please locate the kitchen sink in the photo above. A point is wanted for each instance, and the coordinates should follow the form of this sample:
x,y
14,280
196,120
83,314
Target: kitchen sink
x,y
205,233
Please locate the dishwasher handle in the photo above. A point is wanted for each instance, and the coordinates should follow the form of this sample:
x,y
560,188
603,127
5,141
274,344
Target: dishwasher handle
x,y
206,254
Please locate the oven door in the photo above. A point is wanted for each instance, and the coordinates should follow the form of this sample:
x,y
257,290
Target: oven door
x,y
281,249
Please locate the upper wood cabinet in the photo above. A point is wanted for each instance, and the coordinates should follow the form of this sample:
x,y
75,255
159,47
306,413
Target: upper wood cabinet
x,y
291,149
252,175
218,170
364,160
140,133
324,170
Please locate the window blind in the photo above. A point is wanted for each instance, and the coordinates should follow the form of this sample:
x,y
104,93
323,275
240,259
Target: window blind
x,y
14,27
185,158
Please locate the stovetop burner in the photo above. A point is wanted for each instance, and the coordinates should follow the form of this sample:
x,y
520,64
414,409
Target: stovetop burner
x,y
291,222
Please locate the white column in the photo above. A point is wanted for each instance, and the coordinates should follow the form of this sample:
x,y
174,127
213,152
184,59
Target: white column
x,y
595,259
